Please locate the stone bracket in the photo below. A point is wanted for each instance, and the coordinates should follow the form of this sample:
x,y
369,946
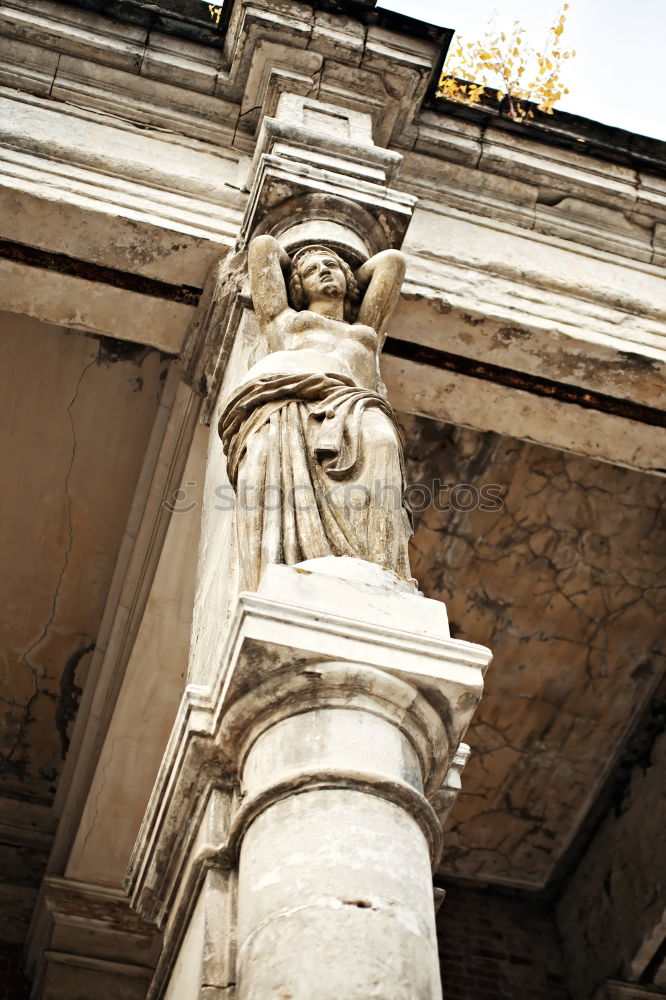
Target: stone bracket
x,y
317,163
446,798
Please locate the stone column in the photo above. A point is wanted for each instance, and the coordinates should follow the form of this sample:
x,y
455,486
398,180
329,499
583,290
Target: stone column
x,y
336,837
305,770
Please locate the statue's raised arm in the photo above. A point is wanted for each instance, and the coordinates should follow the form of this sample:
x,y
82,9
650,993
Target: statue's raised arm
x,y
382,277
268,264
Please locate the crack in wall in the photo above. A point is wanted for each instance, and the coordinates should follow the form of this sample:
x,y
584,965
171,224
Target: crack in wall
x,y
37,674
79,855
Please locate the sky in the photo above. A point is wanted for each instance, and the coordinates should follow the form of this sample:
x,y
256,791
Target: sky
x,y
618,74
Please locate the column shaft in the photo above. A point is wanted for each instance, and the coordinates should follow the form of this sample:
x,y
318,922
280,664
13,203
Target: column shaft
x,y
335,881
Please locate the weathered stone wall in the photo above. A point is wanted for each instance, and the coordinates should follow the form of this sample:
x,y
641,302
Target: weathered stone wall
x,y
495,947
611,916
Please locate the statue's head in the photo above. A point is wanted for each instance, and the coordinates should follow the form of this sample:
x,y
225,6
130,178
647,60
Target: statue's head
x,y
318,272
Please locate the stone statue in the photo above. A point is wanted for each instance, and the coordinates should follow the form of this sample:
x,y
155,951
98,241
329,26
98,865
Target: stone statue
x,y
312,444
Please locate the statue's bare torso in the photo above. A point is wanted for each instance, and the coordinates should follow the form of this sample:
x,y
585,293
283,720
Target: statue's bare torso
x,y
314,344
317,339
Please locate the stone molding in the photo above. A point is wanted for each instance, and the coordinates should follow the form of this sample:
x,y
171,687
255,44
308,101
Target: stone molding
x,y
447,672
556,198
570,195
612,990
66,154
88,927
73,184
95,48
363,66
201,752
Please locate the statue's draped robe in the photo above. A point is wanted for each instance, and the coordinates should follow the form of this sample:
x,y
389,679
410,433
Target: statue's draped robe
x,y
317,466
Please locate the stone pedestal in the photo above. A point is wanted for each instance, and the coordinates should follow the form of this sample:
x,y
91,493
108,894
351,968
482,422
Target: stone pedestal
x,y
304,772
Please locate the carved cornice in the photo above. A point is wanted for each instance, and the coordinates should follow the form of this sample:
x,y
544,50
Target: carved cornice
x,y
559,192
93,63
384,71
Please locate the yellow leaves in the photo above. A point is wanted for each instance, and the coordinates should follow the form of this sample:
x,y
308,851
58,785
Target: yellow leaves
x,y
496,64
215,13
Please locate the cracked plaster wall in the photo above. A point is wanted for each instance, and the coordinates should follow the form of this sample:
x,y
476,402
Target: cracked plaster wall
x,y
78,414
565,584
77,424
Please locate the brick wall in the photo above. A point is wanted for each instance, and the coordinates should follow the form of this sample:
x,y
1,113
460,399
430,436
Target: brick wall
x,y
13,985
495,947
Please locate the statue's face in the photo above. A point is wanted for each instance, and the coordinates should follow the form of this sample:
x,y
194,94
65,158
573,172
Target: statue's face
x,y
321,276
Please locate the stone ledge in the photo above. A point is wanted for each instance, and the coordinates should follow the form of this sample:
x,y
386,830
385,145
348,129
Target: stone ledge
x,y
266,52
83,932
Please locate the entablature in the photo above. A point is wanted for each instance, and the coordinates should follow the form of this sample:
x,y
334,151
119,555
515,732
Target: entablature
x,y
125,158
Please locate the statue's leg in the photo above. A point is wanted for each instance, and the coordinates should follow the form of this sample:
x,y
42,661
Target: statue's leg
x,y
252,526
386,527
